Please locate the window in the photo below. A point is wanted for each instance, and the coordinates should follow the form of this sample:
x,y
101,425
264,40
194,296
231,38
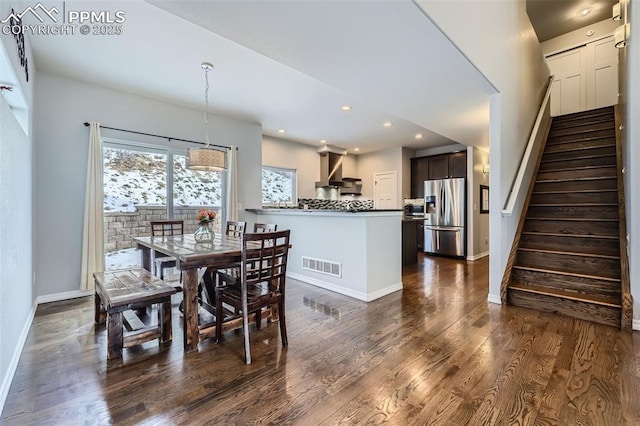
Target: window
x,y
279,186
144,183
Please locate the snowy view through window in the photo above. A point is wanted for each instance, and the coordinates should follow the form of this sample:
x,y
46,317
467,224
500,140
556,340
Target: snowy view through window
x,y
139,178
278,185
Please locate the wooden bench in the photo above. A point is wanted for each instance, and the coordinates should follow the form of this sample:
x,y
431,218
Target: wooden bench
x,y
131,289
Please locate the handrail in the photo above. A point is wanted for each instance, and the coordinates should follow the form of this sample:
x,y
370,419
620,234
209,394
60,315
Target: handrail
x,y
517,183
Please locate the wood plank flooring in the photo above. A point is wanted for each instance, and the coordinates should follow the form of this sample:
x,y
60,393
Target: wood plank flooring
x,y
435,353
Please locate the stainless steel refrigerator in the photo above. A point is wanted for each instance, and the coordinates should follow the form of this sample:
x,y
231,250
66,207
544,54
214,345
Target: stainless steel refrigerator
x,y
445,217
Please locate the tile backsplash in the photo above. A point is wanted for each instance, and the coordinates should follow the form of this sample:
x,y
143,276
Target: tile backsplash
x,y
314,203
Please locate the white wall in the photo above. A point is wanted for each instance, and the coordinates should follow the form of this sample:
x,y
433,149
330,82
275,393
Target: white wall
x,y
632,156
61,157
386,160
427,152
16,209
293,155
575,38
499,40
479,243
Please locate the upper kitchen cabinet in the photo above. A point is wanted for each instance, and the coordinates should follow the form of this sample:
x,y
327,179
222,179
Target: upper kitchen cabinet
x,y
419,173
444,166
447,166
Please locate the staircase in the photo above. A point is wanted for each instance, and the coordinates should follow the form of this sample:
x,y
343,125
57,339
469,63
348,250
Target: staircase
x,y
568,256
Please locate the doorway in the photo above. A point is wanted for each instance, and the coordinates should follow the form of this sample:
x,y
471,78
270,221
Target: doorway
x,y
385,190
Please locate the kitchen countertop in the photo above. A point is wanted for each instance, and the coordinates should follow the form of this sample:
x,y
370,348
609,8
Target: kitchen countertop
x,y
321,211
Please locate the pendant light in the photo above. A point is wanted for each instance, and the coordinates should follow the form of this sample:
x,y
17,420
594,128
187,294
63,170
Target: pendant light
x,y
206,158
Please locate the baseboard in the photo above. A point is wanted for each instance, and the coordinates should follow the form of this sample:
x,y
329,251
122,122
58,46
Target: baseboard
x,y
492,298
15,358
345,291
635,324
478,256
56,297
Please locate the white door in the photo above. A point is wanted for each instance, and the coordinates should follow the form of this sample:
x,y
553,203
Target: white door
x,y
605,75
385,190
584,78
569,83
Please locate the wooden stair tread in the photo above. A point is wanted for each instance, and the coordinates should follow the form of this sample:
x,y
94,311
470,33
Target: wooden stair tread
x,y
575,169
573,219
579,297
583,114
575,191
588,139
586,157
568,253
576,179
563,204
590,123
555,234
572,274
579,132
576,148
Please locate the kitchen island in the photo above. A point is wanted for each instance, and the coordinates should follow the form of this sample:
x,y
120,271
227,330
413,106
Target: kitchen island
x,y
358,254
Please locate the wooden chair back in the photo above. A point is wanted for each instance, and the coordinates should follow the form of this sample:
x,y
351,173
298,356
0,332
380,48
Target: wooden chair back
x,y
167,227
235,229
264,227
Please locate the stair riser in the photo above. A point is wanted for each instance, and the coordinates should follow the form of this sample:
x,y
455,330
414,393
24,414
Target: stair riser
x,y
563,124
602,133
570,308
579,154
581,162
583,173
576,185
601,267
567,282
582,129
571,227
574,212
551,148
576,198
592,245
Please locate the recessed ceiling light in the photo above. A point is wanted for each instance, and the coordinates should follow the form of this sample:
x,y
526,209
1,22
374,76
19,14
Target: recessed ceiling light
x,y
387,124
346,107
584,12
281,131
419,136
356,149
323,141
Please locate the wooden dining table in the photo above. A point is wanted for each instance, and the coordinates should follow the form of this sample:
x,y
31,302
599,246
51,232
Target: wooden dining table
x,y
192,255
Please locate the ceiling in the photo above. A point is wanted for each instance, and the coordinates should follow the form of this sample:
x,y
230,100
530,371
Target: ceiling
x,y
551,18
289,65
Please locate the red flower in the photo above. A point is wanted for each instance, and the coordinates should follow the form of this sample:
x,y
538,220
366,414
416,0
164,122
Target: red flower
x,y
205,216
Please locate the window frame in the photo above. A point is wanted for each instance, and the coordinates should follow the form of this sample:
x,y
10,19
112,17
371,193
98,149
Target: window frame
x,y
294,186
169,151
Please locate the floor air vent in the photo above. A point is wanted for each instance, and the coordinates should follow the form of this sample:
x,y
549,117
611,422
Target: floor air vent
x,y
323,266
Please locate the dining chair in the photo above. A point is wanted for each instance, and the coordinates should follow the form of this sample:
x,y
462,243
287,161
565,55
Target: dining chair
x,y
166,228
265,227
262,283
235,229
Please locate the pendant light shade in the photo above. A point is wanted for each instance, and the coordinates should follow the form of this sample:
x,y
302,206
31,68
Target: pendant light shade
x,y
206,158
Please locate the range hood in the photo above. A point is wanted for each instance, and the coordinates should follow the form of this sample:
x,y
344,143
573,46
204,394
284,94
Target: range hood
x,y
330,166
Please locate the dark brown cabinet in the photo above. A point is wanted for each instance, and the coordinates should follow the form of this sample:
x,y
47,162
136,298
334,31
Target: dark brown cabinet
x,y
443,166
420,235
419,173
439,167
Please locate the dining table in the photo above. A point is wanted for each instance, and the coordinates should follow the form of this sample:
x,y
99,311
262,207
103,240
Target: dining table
x,y
191,255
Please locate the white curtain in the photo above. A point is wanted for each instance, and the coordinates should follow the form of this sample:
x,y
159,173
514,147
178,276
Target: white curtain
x,y
93,229
232,184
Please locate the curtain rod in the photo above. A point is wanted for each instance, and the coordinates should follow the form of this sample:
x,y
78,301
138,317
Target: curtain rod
x,y
86,124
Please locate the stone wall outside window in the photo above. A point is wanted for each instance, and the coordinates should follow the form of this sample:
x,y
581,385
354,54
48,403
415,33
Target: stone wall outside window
x,y
121,227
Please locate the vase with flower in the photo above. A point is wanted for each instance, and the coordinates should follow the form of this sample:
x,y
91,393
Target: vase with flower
x,y
204,231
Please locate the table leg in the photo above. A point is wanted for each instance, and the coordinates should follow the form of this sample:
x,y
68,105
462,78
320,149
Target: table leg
x,y
190,296
146,258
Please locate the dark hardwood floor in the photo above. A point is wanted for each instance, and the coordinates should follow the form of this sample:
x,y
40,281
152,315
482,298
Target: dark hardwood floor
x,y
435,353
